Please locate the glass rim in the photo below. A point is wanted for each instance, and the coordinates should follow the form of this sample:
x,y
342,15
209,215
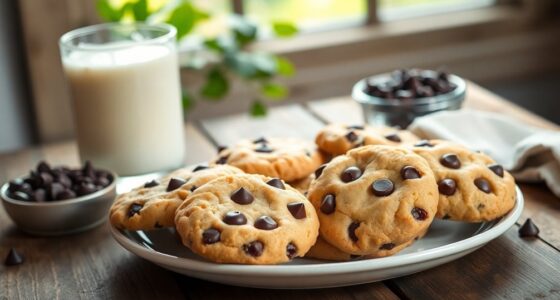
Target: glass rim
x,y
66,38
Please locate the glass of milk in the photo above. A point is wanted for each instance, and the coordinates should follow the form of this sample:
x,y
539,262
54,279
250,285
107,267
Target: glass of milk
x,y
126,96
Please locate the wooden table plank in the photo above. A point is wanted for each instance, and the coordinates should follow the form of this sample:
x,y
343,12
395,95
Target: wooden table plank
x,y
286,121
507,268
89,265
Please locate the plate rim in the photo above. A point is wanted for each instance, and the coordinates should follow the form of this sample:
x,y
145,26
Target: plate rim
x,y
208,267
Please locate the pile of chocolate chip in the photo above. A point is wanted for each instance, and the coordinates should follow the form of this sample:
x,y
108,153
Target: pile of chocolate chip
x,y
59,183
411,84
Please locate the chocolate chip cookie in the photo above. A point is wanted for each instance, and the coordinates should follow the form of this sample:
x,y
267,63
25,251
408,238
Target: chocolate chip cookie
x,y
337,139
284,158
153,205
374,200
247,219
472,186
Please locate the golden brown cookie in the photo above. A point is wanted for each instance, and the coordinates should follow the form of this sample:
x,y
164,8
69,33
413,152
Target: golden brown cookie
x,y
153,205
284,158
472,186
337,139
247,219
374,200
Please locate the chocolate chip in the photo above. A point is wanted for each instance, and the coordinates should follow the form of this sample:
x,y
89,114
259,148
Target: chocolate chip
x,y
134,209
14,186
297,209
85,189
264,148
260,140
175,183
351,136
382,187
235,218
319,170
450,160
409,172
193,188
88,169
351,174
291,250
529,229
266,223
222,160
255,248
44,179
151,184
102,181
65,195
328,204
497,169
64,180
447,186
387,246
14,258
54,189
423,143
419,213
352,231
221,148
199,167
277,183
242,196
393,137
483,185
210,236
40,195
43,167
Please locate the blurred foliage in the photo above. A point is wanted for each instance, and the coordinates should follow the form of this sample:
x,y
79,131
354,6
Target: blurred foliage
x,y
222,57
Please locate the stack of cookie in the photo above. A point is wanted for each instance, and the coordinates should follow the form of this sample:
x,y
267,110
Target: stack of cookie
x,y
360,192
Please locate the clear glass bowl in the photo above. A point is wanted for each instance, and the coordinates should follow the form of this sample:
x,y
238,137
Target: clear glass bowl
x,y
379,111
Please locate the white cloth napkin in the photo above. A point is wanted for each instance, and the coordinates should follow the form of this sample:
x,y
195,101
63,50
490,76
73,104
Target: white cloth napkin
x,y
531,154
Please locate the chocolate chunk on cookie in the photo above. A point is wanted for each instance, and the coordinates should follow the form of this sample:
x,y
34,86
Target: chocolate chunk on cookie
x,y
472,186
337,139
284,158
277,225
389,198
153,204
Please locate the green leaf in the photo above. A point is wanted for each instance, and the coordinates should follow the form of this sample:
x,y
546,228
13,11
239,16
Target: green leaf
x,y
216,85
107,11
183,17
258,109
243,30
284,67
284,29
274,91
140,10
187,100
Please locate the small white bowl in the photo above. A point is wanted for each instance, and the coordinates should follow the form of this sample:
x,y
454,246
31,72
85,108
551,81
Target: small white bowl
x,y
62,216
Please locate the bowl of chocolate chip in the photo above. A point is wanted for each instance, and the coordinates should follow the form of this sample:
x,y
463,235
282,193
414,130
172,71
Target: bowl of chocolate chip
x,y
59,200
397,98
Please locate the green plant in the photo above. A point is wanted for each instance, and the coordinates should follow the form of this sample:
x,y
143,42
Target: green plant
x,y
221,57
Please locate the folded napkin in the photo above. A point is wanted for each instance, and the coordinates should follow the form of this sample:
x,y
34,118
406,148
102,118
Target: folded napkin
x,y
531,154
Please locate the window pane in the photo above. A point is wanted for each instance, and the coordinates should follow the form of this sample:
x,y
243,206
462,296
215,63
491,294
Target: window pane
x,y
309,15
400,9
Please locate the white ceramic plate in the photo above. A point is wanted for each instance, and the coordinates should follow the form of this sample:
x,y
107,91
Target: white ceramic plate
x,y
445,241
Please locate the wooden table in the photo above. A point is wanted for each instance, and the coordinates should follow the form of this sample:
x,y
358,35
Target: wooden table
x,y
92,265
